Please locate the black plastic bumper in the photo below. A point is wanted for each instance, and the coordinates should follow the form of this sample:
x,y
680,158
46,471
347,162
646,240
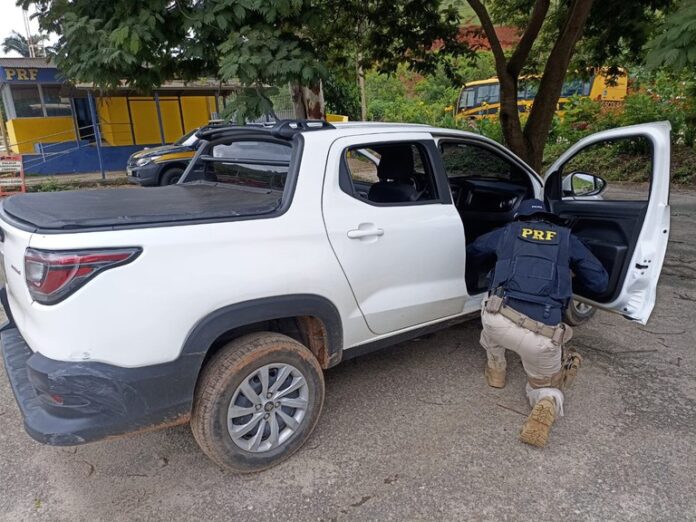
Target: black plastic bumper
x,y
147,175
68,403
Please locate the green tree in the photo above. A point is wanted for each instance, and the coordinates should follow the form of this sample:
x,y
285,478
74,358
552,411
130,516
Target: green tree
x,y
674,47
255,42
550,33
19,44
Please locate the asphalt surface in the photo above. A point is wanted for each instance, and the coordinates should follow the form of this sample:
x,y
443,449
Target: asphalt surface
x,y
414,433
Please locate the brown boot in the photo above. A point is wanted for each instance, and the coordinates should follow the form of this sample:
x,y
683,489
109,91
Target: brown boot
x,y
536,429
570,367
494,377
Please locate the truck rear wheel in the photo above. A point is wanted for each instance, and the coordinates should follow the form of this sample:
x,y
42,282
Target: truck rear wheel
x,y
257,401
579,313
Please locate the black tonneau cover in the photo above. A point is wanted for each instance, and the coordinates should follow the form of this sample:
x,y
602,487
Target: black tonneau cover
x,y
116,208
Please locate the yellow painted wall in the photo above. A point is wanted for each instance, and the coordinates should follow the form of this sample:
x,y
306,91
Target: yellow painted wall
x,y
115,124
146,125
197,110
25,132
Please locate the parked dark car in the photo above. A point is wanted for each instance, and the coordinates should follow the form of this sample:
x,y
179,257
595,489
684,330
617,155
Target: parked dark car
x,y
162,165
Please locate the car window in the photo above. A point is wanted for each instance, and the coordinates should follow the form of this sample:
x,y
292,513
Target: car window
x,y
619,169
464,160
246,163
389,174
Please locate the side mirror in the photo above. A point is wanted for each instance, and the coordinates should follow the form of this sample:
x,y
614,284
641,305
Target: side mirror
x,y
582,184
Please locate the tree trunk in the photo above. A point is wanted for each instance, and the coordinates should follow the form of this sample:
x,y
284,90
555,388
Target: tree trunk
x,y
314,101
308,101
536,131
361,87
529,143
297,94
509,114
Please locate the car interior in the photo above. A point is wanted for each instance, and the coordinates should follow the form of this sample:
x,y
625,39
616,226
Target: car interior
x,y
487,189
390,173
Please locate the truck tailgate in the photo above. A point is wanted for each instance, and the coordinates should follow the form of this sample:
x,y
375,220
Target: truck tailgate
x,y
13,244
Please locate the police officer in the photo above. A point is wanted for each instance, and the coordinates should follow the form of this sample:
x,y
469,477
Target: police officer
x,y
529,290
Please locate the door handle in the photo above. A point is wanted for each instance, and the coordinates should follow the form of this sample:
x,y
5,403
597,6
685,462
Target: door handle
x,y
360,233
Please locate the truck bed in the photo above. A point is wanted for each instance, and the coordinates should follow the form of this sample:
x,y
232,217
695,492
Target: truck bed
x,y
125,207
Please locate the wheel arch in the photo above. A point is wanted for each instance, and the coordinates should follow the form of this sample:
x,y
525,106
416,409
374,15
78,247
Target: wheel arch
x,y
311,319
168,166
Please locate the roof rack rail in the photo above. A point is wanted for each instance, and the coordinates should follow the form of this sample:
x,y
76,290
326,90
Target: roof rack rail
x,y
284,129
288,128
209,131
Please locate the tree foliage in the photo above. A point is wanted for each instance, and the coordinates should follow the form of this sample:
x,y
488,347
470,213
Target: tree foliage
x,y
552,34
18,43
255,42
674,47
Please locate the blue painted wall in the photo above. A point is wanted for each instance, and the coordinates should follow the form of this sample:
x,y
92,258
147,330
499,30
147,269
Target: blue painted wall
x,y
79,160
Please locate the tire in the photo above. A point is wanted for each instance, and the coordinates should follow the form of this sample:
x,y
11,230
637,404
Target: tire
x,y
235,374
171,176
579,313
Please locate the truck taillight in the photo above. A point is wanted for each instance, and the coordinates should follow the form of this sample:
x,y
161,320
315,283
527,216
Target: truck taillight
x,y
53,275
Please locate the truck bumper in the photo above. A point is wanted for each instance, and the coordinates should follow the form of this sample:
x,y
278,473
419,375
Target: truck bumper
x,y
69,403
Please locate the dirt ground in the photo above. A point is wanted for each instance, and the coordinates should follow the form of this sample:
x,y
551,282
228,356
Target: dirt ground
x,y
414,433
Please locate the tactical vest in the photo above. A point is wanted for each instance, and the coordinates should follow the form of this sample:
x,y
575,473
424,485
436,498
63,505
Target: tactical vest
x,y
533,263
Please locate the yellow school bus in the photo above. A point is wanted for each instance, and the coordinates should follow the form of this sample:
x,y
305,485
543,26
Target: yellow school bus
x,y
481,99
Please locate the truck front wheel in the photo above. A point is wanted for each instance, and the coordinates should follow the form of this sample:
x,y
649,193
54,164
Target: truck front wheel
x,y
257,401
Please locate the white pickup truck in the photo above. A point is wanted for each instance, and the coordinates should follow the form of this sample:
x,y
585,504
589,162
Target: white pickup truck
x,y
283,250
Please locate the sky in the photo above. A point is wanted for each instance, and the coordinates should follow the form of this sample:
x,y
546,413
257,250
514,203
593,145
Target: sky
x,y
11,19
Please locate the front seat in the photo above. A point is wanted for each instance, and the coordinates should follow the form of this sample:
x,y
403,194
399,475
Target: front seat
x,y
395,172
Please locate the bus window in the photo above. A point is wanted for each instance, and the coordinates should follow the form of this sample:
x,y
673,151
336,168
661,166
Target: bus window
x,y
575,87
527,89
488,94
468,98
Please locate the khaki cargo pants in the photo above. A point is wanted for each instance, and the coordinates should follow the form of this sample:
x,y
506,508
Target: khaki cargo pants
x,y
541,356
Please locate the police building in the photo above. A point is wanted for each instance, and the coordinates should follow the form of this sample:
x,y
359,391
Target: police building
x,y
51,122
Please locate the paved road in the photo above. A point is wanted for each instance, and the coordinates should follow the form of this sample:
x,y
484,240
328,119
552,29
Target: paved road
x,y
414,433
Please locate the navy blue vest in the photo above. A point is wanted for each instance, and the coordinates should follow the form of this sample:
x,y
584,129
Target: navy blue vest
x,y
533,269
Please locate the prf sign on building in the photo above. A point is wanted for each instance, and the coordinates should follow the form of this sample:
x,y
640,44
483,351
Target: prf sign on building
x,y
34,105
46,114
32,91
21,74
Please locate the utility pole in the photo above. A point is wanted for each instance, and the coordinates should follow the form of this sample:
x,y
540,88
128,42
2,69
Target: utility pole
x,y
27,29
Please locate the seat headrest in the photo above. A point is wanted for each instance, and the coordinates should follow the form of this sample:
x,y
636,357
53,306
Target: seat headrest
x,y
396,162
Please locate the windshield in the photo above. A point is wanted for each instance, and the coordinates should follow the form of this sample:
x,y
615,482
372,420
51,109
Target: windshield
x,y
479,94
576,87
188,139
249,163
468,98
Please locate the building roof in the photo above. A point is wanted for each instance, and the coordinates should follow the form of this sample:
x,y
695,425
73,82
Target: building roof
x,y
37,63
475,37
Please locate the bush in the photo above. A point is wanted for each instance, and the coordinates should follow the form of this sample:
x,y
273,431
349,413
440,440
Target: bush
x,y
408,97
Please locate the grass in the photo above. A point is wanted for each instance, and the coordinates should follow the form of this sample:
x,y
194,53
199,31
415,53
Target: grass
x,y
55,184
620,166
